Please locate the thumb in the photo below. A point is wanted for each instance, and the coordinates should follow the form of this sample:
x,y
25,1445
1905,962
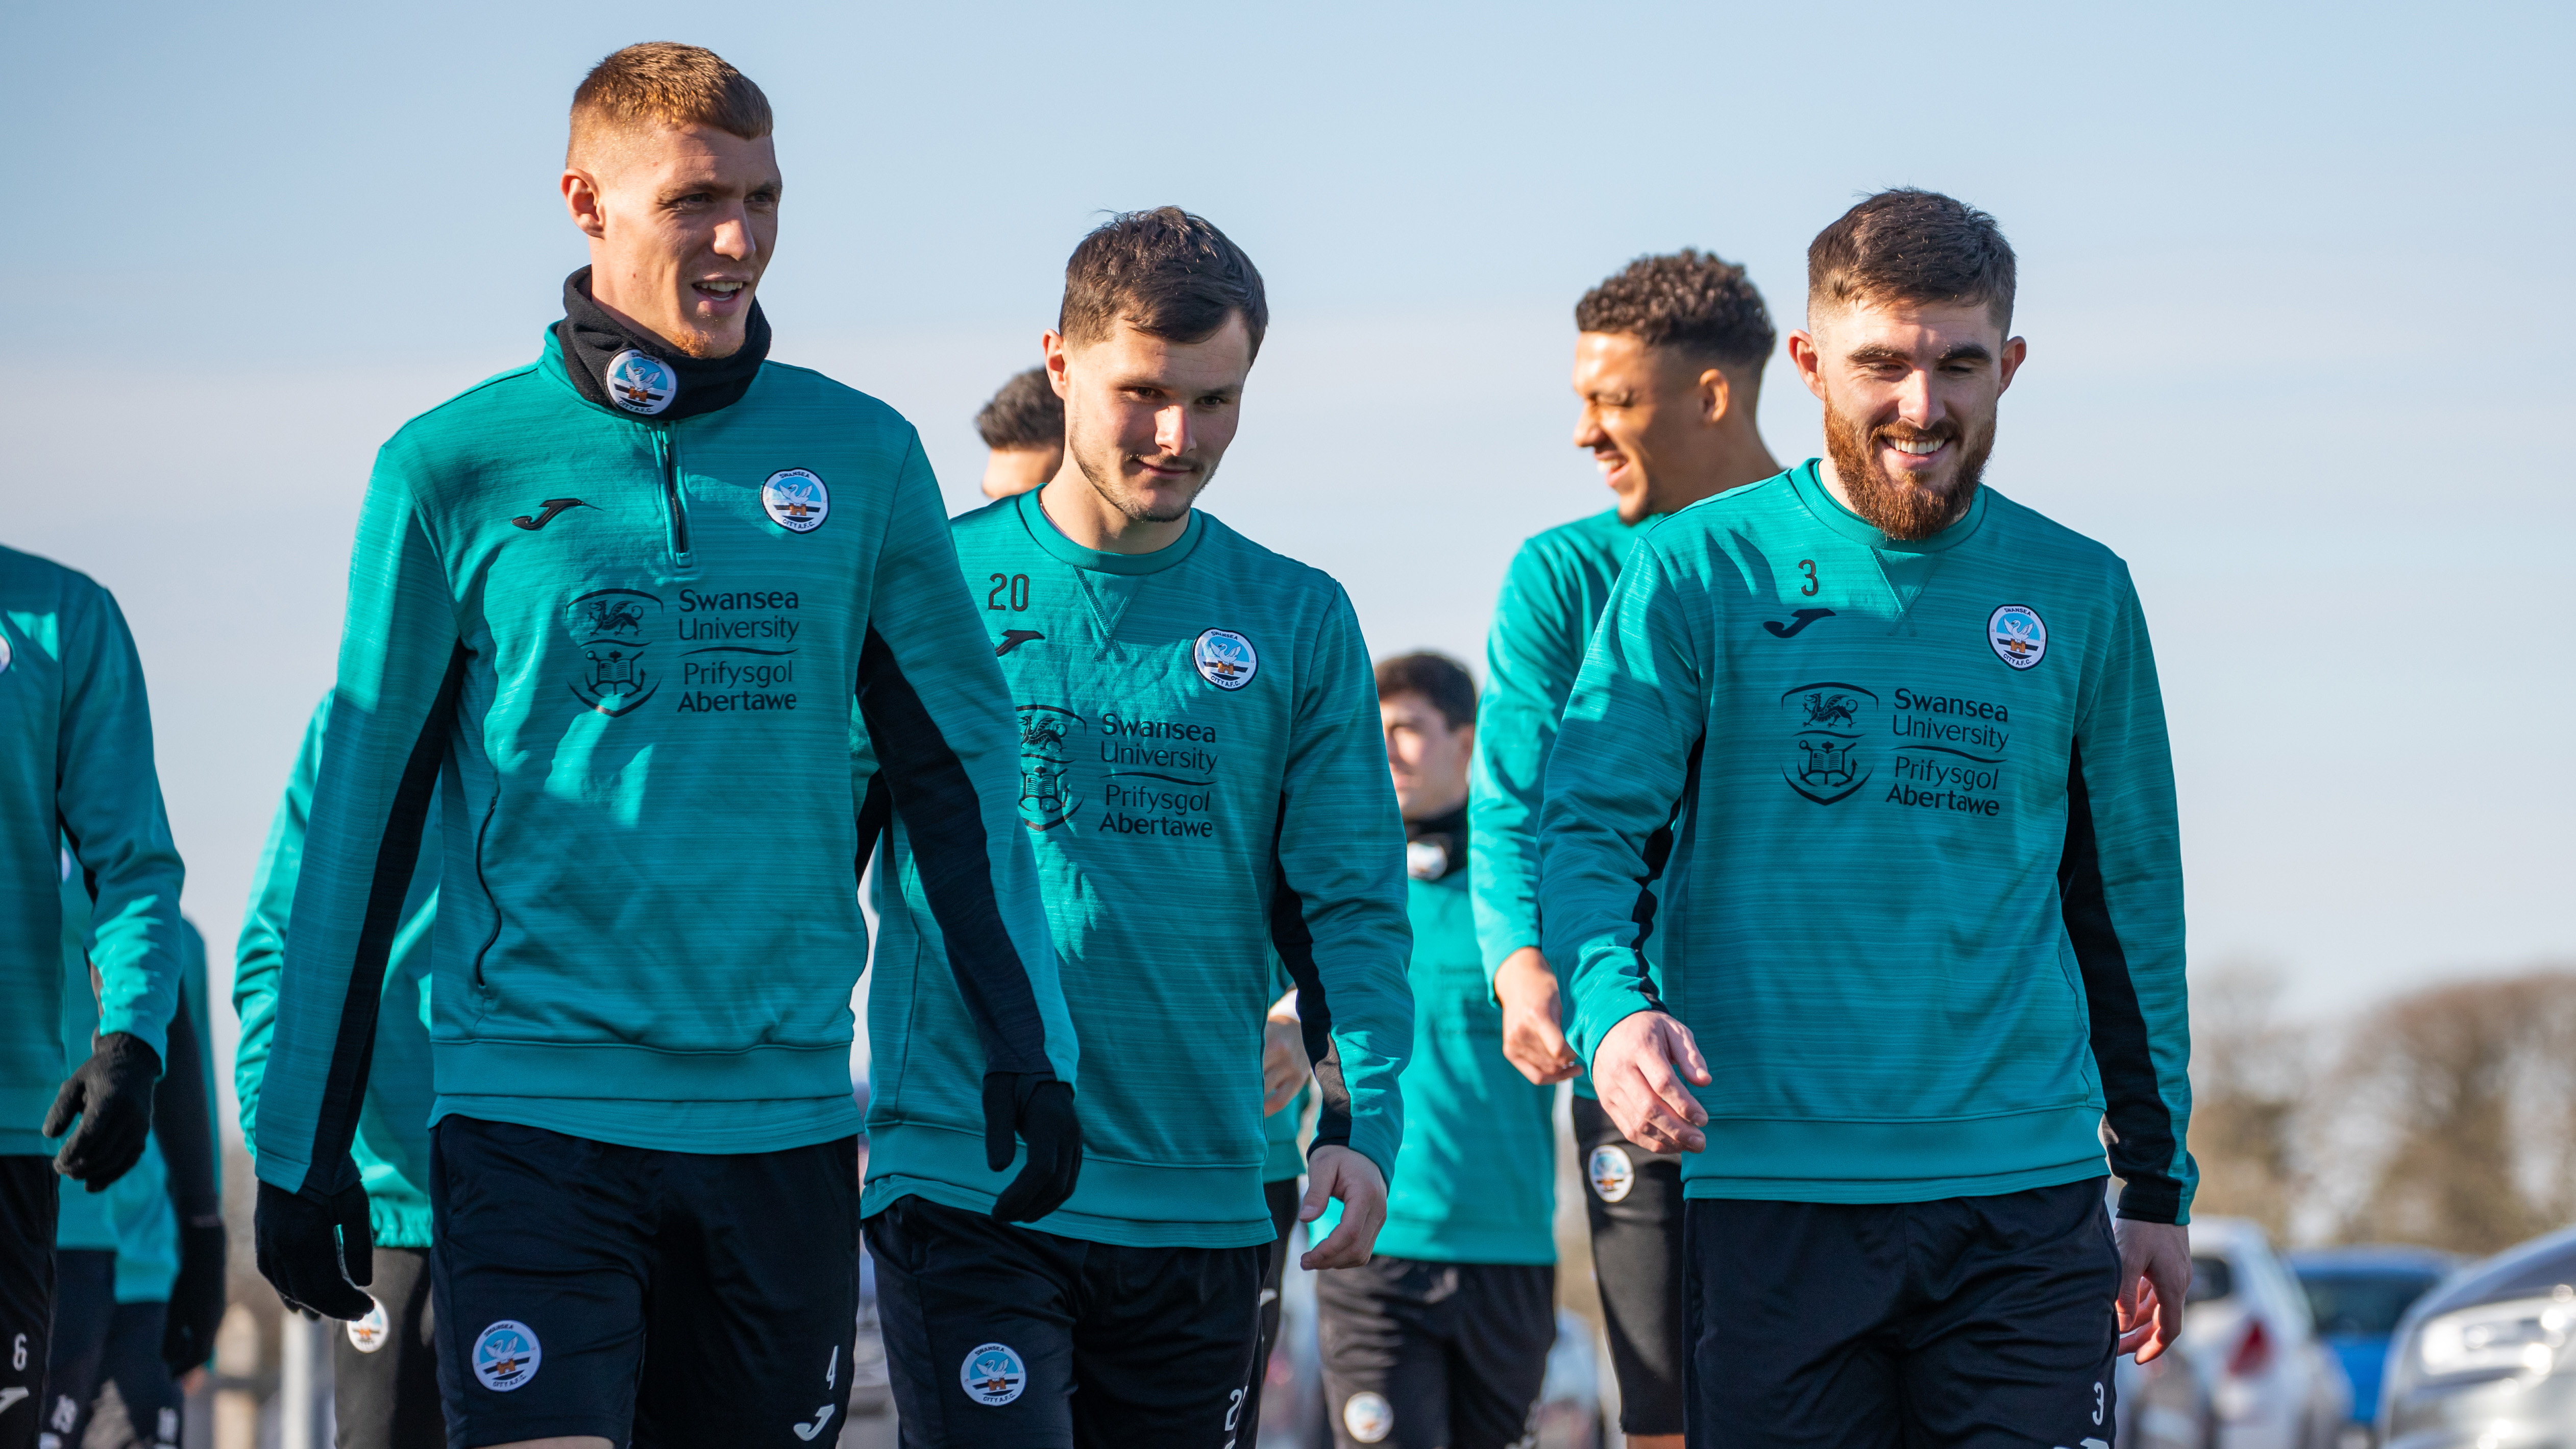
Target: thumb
x,y
1319,1193
67,1105
357,1240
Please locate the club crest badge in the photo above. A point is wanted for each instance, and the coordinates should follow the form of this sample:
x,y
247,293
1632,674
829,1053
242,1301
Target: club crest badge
x,y
2019,638
1225,659
796,500
1368,1416
641,384
612,628
1611,1172
506,1356
368,1334
993,1375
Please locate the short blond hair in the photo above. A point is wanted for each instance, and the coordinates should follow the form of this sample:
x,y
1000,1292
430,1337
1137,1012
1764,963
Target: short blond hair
x,y
661,82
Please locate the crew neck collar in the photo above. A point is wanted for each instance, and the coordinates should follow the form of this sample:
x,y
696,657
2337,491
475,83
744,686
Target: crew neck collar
x,y
1034,518
641,375
1807,480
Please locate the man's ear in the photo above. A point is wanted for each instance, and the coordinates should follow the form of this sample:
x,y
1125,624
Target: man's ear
x,y
581,199
1058,361
1716,395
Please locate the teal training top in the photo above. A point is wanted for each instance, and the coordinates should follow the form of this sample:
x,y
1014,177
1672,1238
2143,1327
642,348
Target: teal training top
x,y
1923,900
76,763
1202,771
1553,594
633,648
1475,1181
391,1147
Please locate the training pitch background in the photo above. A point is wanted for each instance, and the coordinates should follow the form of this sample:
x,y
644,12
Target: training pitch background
x,y
2290,277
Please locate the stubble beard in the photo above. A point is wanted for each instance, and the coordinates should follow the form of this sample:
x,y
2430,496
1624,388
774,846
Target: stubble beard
x,y
1113,489
1899,507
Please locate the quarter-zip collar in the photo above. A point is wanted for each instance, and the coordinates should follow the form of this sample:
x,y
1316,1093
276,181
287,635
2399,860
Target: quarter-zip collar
x,y
652,379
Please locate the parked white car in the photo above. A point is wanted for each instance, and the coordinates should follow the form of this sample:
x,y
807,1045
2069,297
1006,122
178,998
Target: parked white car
x,y
2273,1384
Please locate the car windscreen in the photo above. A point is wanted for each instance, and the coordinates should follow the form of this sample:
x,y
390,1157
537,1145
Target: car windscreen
x,y
2362,1303
2211,1279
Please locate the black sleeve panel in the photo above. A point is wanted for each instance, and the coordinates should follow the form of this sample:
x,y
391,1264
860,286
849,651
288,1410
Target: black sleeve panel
x,y
1659,853
183,1122
1295,942
353,1052
2141,1124
944,822
876,821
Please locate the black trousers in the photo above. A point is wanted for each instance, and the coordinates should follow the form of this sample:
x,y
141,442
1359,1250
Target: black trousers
x,y
384,1368
1633,1200
1004,1336
1967,1323
99,1341
1283,1198
27,1202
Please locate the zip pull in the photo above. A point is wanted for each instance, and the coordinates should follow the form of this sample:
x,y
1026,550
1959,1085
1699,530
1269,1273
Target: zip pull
x,y
667,453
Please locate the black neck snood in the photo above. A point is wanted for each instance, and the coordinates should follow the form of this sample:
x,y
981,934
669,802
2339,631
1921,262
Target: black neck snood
x,y
1438,846
664,382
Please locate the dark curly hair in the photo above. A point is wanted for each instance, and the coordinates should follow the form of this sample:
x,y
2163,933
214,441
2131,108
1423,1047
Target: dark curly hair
x,y
1164,272
1026,413
1692,301
1909,245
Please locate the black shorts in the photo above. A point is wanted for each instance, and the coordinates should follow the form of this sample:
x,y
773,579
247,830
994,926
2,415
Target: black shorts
x,y
991,1328
1967,1323
28,1185
687,1298
1283,1198
384,1367
1421,1355
1633,1199
99,1341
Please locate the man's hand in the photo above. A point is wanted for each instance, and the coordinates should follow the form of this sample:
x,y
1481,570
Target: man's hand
x,y
1283,1062
316,1249
1338,1172
1034,1108
196,1298
111,1094
2155,1272
1533,1030
1638,1071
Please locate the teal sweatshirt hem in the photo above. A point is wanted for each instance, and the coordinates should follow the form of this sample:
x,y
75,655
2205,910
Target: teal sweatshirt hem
x,y
399,1224
1780,1160
681,1126
1126,1203
589,1071
1432,1242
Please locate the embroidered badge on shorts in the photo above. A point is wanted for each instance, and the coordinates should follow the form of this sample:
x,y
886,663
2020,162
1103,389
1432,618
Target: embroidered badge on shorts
x,y
1368,1416
993,1375
506,1355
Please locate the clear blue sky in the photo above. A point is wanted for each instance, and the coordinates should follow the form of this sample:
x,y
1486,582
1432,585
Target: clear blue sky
x,y
2291,280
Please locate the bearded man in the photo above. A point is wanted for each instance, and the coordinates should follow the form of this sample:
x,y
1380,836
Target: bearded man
x,y
1876,760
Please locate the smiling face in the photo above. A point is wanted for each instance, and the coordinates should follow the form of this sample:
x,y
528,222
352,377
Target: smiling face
x,y
1649,418
1910,393
681,221
1147,418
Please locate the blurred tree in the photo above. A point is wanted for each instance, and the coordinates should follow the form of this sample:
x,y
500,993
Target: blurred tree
x,y
2475,1087
2251,1072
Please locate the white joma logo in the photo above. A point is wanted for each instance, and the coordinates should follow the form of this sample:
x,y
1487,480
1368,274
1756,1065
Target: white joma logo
x,y
9,1398
823,1416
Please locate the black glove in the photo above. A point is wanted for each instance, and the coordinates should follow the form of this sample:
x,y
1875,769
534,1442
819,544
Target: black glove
x,y
317,1272
1041,1109
111,1094
196,1298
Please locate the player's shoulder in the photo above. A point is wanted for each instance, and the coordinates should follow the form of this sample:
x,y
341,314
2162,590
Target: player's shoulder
x,y
37,584
2029,535
988,524
807,395
1697,530
1583,541
1258,567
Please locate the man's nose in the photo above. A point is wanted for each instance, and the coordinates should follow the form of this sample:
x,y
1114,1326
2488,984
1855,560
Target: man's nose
x,y
734,240
1172,429
1915,403
1587,429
